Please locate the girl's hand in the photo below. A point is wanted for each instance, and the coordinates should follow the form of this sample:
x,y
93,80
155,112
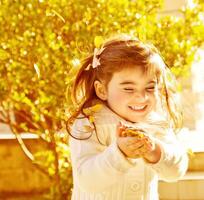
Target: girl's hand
x,y
131,147
134,147
153,152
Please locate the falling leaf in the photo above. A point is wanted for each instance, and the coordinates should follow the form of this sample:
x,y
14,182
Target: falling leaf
x,y
57,14
37,70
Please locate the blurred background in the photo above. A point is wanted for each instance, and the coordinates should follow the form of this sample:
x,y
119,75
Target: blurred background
x,y
41,45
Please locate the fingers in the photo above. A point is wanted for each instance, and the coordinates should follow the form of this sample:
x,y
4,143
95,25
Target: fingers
x,y
128,144
139,147
150,145
134,147
134,143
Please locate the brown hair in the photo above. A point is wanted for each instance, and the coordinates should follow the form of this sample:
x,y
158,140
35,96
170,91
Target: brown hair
x,y
119,53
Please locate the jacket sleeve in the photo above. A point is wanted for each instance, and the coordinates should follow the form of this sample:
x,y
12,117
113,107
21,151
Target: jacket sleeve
x,y
95,166
174,159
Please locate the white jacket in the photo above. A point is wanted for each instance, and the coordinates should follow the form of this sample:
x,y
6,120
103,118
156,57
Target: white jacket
x,y
102,172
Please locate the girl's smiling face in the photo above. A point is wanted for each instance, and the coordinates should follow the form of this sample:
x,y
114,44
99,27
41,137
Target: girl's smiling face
x,y
131,94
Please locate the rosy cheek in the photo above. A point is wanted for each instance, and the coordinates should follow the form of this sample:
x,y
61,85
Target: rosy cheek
x,y
117,96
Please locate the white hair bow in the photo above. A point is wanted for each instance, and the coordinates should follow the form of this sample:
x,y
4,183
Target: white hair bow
x,y
96,60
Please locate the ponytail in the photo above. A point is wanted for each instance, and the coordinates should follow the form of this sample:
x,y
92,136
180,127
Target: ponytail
x,y
82,92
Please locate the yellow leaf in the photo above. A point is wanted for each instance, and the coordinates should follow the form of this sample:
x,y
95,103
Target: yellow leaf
x,y
91,119
190,152
134,133
91,110
98,40
96,107
87,111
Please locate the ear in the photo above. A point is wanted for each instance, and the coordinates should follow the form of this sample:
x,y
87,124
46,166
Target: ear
x,y
100,90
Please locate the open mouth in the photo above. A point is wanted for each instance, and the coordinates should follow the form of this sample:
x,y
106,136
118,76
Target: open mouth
x,y
138,108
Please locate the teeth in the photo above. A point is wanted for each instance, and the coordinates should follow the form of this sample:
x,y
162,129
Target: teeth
x,y
137,107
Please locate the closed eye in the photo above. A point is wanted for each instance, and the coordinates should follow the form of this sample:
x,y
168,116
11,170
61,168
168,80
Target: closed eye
x,y
150,89
128,89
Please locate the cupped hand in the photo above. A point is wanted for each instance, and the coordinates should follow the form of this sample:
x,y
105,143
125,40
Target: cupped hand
x,y
133,147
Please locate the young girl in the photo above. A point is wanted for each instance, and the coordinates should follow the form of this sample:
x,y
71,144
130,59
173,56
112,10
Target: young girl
x,y
124,85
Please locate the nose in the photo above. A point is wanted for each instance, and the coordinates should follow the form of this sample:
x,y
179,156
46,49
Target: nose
x,y
141,96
